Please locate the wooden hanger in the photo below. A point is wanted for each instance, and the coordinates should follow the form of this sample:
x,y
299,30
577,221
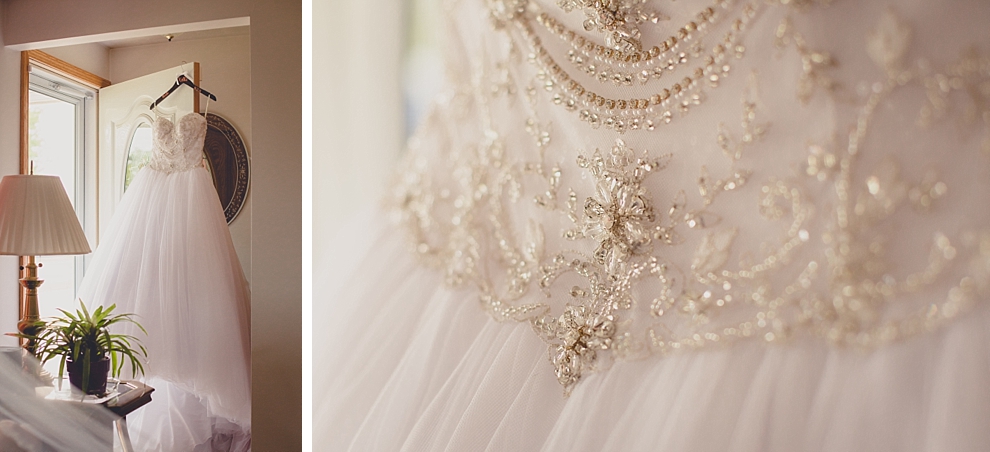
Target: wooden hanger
x,y
182,79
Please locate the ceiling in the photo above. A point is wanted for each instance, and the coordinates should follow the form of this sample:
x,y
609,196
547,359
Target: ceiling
x,y
185,36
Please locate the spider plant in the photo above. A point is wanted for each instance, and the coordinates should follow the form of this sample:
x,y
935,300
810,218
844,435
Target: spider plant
x,y
84,338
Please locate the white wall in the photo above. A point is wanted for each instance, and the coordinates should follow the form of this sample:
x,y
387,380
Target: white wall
x,y
276,200
10,94
225,70
93,57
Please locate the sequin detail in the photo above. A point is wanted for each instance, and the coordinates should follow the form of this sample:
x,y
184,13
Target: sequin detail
x,y
178,148
607,255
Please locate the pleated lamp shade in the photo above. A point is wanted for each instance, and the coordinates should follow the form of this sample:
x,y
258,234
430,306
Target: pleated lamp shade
x,y
36,218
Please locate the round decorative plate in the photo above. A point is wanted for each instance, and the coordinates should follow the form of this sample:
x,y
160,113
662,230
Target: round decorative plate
x,y
229,164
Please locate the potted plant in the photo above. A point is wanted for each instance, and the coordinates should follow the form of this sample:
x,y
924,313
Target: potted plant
x,y
84,344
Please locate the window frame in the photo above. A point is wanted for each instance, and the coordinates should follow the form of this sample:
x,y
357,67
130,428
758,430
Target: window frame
x,y
83,102
86,145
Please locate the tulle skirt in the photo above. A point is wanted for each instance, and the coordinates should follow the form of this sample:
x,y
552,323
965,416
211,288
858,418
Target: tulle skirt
x,y
402,363
167,256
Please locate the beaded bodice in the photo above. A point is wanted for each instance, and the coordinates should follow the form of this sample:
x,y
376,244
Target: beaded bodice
x,y
178,148
637,178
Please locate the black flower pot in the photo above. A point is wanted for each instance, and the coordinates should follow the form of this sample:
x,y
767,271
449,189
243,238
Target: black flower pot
x,y
98,371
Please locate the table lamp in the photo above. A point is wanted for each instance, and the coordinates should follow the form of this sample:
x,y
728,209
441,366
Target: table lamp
x,y
36,219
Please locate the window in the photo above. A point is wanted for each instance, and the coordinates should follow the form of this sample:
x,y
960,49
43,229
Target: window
x,y
138,153
61,119
423,74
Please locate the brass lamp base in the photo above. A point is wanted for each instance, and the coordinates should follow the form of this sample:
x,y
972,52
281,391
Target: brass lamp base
x,y
30,323
30,317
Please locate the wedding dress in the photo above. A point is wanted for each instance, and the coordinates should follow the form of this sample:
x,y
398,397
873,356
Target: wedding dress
x,y
167,256
692,225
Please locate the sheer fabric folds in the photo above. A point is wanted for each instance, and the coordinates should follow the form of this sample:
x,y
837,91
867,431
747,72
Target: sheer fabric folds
x,y
30,424
427,370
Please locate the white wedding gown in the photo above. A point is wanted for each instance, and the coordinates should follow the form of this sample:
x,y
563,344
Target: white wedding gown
x,y
677,226
167,256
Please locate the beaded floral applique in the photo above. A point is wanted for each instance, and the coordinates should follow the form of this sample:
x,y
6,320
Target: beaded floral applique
x,y
625,61
177,148
605,259
616,19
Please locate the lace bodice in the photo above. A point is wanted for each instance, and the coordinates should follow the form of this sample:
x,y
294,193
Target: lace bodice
x,y
179,148
647,177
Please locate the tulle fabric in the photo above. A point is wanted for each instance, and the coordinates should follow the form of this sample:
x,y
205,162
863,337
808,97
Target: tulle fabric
x,y
179,420
425,369
168,257
30,424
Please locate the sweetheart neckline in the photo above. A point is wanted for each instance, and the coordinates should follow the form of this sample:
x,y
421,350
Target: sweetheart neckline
x,y
176,131
166,118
